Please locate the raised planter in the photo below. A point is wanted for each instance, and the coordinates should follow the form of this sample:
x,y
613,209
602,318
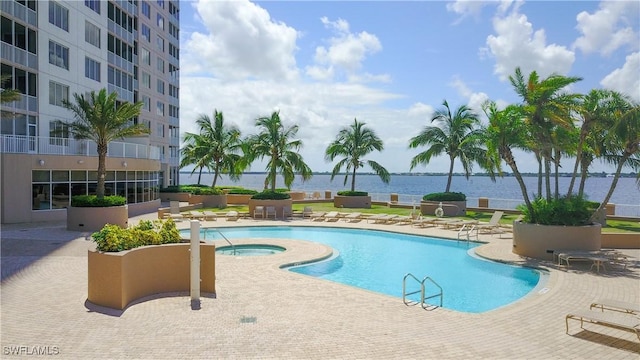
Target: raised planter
x,y
450,208
352,202
297,195
540,241
278,204
95,218
179,196
209,201
621,240
118,278
238,199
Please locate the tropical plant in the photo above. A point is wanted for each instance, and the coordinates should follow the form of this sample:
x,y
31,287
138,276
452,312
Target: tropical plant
x,y
215,147
271,195
274,142
102,118
7,94
445,196
354,142
546,105
457,135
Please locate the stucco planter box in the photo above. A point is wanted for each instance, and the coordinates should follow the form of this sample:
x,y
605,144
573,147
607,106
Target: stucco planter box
x,y
278,204
180,196
352,202
95,218
450,208
540,241
238,199
118,278
297,195
209,201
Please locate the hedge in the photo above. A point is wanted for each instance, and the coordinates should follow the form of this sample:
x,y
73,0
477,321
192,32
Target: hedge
x,y
445,196
93,201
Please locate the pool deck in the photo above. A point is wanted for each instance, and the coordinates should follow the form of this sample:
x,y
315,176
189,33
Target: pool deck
x,y
261,311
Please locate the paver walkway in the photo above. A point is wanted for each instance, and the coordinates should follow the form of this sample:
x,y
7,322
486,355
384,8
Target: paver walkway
x,y
261,311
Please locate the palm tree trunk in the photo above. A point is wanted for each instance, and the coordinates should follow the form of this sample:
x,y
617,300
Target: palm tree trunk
x,y
215,175
575,165
353,180
539,159
604,202
583,177
556,167
199,175
102,160
507,156
450,175
547,177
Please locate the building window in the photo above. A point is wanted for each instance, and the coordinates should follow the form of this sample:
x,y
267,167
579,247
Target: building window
x,y
174,31
173,51
160,86
146,80
146,56
173,91
161,3
160,43
59,15
58,93
58,133
58,55
91,69
160,65
146,9
160,21
160,108
146,103
174,111
92,34
93,5
146,32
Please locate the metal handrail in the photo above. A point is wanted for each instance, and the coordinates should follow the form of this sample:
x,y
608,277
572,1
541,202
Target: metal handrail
x,y
423,303
432,296
468,232
233,247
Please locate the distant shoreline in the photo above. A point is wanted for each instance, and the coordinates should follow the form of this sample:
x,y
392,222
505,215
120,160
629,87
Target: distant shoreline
x,y
599,175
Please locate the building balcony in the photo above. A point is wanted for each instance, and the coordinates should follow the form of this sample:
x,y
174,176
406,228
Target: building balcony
x,y
19,144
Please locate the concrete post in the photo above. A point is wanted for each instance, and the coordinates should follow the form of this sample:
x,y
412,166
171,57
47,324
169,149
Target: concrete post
x,y
195,262
327,194
483,202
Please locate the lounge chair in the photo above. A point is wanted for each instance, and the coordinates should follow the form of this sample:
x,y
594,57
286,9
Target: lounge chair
x,y
306,212
270,212
196,215
493,226
332,216
386,219
287,213
174,211
210,215
352,217
258,212
447,223
232,216
376,218
596,257
423,222
317,216
609,319
616,305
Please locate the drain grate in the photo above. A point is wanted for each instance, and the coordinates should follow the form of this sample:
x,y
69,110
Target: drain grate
x,y
248,320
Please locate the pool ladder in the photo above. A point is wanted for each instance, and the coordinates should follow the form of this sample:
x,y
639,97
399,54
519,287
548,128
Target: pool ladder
x,y
468,232
423,296
233,247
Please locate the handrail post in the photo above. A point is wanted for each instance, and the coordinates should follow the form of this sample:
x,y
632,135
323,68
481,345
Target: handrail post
x,y
195,264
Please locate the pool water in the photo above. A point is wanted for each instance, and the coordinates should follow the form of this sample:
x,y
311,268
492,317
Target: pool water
x,y
250,250
378,261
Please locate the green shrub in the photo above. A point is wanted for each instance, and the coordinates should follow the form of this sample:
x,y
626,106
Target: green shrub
x,y
207,191
573,211
445,196
170,189
112,238
191,188
271,195
352,193
282,190
243,191
93,201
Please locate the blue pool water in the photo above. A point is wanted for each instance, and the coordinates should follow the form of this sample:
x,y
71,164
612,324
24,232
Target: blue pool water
x,y
250,250
378,261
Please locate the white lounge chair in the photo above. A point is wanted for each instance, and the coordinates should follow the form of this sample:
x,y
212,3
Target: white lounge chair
x,y
352,217
609,319
493,226
258,212
332,216
376,218
270,212
287,213
210,215
196,215
317,216
306,212
232,216
616,305
174,211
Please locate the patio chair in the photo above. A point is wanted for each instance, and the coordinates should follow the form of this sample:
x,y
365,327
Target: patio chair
x,y
386,219
332,216
608,319
174,211
420,221
270,212
287,213
306,212
196,215
232,216
376,218
616,305
493,226
317,216
352,217
210,215
258,212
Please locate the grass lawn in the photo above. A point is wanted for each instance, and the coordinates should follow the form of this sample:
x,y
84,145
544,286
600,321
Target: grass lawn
x,y
613,226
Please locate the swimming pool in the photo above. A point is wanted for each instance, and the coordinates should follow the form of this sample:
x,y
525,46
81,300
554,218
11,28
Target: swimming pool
x,y
378,260
250,250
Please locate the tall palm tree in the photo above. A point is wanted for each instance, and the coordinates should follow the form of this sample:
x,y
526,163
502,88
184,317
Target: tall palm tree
x,y
458,135
354,142
507,131
194,153
102,118
546,106
218,145
274,142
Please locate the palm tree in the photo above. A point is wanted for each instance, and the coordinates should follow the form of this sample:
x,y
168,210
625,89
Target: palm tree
x,y
507,131
194,153
218,146
7,95
354,142
458,135
274,142
546,106
102,118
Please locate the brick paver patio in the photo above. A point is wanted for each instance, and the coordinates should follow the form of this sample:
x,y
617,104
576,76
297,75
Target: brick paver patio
x,y
261,311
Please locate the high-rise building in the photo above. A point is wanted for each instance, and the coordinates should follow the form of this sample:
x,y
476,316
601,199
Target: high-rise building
x,y
51,50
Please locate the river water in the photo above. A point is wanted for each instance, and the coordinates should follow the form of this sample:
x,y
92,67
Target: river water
x,y
503,193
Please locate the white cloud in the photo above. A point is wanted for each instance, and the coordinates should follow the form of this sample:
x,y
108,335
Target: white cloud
x,y
474,99
466,8
346,52
607,29
242,42
516,44
625,79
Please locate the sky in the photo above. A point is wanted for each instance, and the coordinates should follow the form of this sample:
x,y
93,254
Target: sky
x,y
391,64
